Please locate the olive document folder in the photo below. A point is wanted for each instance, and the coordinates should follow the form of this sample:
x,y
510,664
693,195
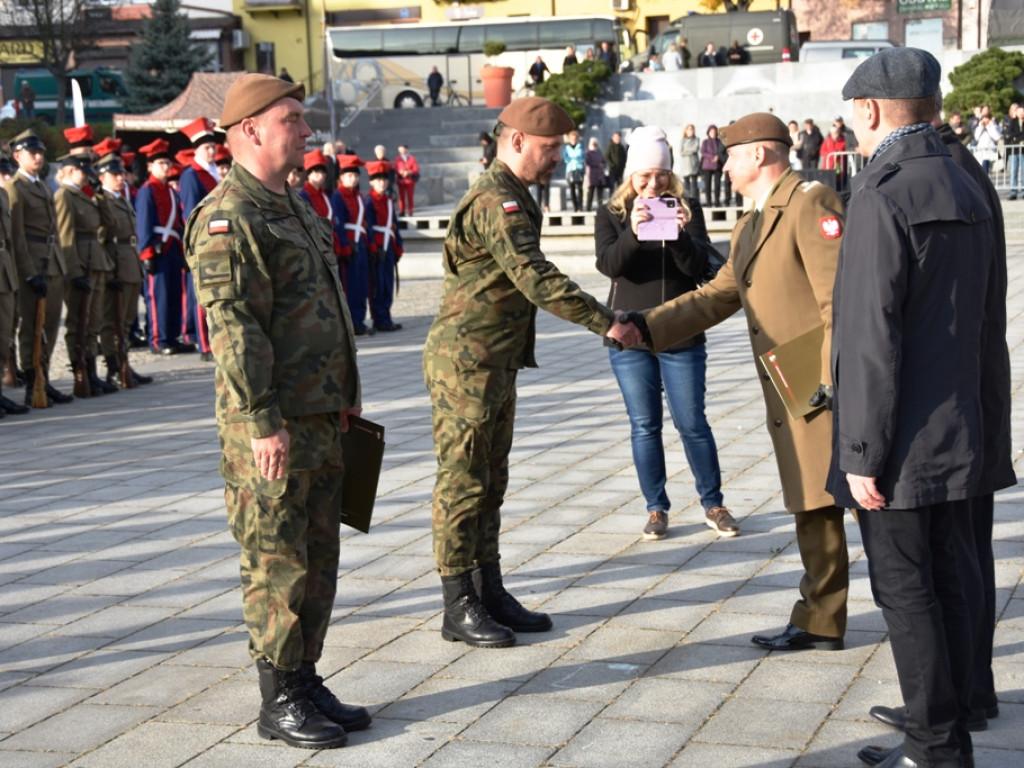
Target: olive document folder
x,y
362,449
795,370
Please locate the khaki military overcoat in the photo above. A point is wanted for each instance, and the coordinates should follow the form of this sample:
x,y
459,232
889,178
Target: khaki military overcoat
x,y
78,224
780,271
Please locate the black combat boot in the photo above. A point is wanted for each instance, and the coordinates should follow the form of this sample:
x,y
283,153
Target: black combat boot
x,y
466,619
98,385
139,378
349,716
113,370
288,714
11,407
55,394
506,609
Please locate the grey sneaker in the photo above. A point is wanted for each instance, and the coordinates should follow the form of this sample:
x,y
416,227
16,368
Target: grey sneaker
x,y
657,525
720,519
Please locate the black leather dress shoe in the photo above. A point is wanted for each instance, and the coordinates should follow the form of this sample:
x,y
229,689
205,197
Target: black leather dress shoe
x,y
793,638
896,759
874,754
892,716
172,350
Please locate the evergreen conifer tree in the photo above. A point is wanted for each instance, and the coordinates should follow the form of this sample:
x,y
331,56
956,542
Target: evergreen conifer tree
x,y
164,58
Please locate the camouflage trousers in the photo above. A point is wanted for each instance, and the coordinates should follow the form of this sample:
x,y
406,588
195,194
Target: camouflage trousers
x,y
288,531
473,417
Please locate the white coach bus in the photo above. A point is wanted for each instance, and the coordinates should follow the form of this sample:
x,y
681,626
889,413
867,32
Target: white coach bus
x,y
388,65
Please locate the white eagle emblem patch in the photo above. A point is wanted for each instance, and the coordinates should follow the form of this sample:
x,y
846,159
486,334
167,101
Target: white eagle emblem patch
x,y
831,228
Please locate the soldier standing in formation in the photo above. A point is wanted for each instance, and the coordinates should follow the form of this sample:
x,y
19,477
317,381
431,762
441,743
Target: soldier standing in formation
x,y
386,246
117,234
286,387
495,278
351,207
89,267
8,299
314,191
159,227
39,260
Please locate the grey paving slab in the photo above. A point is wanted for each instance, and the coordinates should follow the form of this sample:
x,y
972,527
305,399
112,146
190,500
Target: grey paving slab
x,y
536,720
608,743
156,744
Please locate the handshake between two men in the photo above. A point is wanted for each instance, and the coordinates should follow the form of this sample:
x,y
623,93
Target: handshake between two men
x,y
629,329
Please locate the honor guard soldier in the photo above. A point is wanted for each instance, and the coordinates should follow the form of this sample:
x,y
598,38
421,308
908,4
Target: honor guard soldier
x,y
89,267
223,160
286,386
386,247
495,278
12,376
197,181
8,297
39,260
117,235
351,207
80,140
315,193
159,226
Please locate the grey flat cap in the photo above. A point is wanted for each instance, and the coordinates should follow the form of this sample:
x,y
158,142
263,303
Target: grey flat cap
x,y
895,73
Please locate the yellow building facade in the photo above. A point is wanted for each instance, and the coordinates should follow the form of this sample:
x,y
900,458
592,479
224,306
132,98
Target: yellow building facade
x,y
289,33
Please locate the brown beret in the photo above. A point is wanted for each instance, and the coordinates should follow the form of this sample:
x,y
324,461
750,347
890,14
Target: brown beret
x,y
537,116
252,93
759,126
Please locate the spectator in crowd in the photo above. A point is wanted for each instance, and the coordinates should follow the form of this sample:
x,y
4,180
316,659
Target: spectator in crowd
x,y
689,161
684,51
341,148
572,156
434,82
380,152
1013,141
296,178
331,168
709,58
408,172
848,134
570,57
654,64
737,54
673,59
589,56
832,160
609,56
537,71
810,145
956,125
974,119
712,155
285,76
490,149
797,138
593,159
27,96
614,159
644,275
986,139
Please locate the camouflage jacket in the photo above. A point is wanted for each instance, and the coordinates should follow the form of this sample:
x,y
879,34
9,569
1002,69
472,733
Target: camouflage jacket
x,y
496,277
265,272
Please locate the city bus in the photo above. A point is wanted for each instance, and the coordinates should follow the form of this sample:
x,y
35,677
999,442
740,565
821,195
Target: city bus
x,y
388,65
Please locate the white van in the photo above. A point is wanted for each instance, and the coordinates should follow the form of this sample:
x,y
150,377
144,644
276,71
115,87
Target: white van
x,y
813,52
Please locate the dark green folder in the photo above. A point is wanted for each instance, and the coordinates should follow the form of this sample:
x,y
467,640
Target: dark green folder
x,y
795,370
362,448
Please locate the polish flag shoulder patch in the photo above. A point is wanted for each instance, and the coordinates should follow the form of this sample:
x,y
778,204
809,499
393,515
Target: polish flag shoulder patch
x,y
510,206
219,227
831,228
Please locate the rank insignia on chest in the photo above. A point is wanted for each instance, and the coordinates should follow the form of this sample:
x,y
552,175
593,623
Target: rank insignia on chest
x,y
831,228
510,206
219,227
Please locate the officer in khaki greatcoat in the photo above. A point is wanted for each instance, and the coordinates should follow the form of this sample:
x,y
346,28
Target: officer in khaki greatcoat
x,y
8,298
496,277
117,235
89,267
39,259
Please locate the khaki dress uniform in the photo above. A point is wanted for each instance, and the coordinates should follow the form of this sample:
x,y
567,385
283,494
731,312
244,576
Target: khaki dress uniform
x,y
8,280
36,252
117,234
78,223
780,271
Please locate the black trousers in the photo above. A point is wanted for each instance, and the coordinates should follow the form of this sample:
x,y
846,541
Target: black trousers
x,y
974,541
712,179
916,579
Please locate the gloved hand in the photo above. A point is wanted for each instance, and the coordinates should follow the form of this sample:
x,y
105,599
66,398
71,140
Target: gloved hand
x,y
81,284
115,284
38,284
822,397
150,266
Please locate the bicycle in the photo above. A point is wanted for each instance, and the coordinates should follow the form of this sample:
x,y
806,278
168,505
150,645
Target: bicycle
x,y
455,99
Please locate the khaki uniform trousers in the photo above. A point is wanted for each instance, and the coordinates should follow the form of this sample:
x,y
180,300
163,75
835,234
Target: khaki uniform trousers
x,y
821,609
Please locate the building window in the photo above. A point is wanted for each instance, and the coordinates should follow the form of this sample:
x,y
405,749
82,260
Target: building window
x,y
923,33
870,30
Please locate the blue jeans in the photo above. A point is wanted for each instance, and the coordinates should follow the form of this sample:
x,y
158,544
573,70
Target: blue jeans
x,y
1013,162
642,377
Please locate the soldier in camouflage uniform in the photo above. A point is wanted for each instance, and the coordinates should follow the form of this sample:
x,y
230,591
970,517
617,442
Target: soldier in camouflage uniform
x,y
286,386
495,278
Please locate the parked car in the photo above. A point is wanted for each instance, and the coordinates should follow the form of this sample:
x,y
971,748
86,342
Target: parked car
x,y
817,51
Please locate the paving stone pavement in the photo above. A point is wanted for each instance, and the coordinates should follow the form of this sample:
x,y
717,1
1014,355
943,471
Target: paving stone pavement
x,y
122,642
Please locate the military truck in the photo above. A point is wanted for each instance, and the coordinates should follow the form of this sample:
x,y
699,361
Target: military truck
x,y
768,37
103,93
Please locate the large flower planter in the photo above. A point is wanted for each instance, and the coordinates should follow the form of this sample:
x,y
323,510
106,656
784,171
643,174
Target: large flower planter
x,y
497,85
